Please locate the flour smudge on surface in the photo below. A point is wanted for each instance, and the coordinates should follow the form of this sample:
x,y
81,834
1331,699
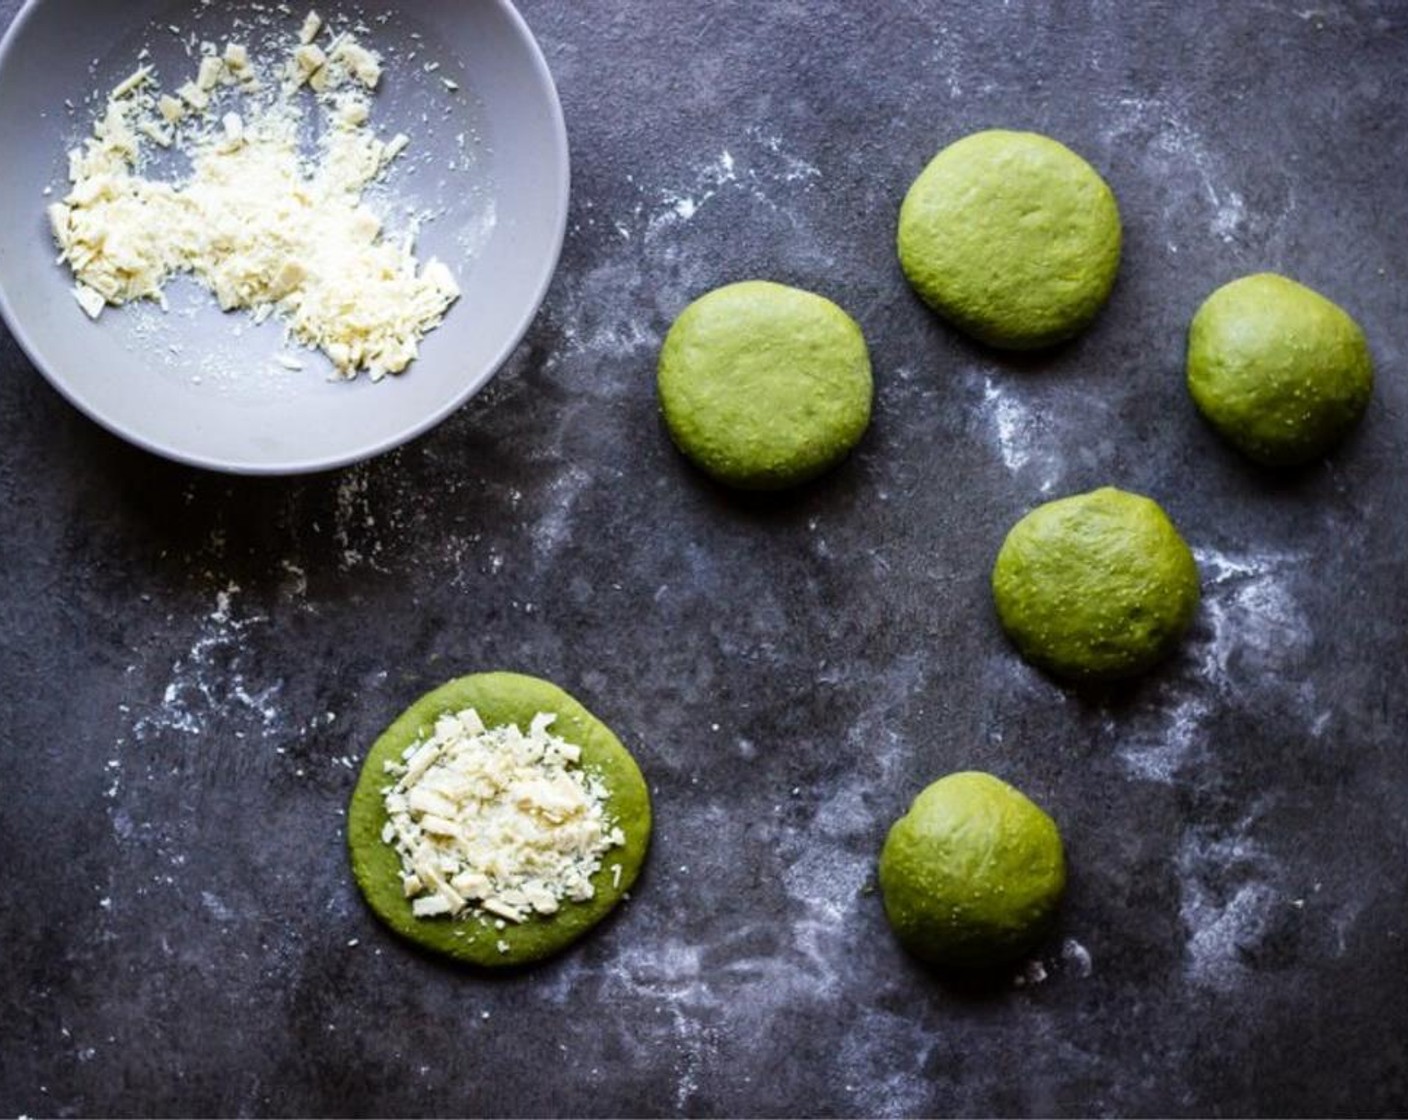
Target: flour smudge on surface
x,y
213,682
1195,177
1251,624
763,170
1234,901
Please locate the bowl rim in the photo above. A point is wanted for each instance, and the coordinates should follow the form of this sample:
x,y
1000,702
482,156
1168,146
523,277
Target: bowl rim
x,y
561,183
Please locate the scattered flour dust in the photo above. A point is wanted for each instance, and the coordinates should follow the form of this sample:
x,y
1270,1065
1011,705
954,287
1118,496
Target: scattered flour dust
x,y
760,168
1011,421
1232,897
260,225
1233,893
212,681
1033,440
1254,627
653,263
1180,156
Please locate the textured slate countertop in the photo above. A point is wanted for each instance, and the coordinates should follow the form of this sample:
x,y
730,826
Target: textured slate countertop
x,y
193,664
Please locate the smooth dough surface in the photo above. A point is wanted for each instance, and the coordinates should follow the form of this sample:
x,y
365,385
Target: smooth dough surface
x,y
972,874
764,386
1096,586
1012,237
1278,369
500,699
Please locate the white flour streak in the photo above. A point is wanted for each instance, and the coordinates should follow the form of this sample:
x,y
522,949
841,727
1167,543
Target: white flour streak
x,y
694,1047
1230,898
619,340
825,879
793,169
1229,211
1255,628
1160,755
210,682
652,265
1179,155
476,233
764,169
554,527
217,908
1254,617
671,974
1234,898
1016,431
1010,424
883,1057
588,327
1232,893
681,205
1216,932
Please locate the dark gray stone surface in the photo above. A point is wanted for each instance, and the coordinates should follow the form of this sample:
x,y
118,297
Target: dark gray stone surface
x,y
192,665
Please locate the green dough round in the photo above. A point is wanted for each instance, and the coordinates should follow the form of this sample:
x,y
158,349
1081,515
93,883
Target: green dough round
x,y
499,698
1278,369
971,876
1095,587
1012,237
765,386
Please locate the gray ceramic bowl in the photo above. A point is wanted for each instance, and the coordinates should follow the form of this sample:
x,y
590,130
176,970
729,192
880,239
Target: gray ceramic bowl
x,y
490,158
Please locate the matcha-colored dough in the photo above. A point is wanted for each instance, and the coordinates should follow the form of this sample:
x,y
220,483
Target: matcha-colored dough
x,y
1012,237
764,386
1278,369
1095,587
499,698
971,876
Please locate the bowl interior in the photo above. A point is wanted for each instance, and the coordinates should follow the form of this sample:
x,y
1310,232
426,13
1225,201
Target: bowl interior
x,y
488,160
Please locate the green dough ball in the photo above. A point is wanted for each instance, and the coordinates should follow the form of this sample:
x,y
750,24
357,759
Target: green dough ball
x,y
1095,587
500,699
1278,369
1012,237
971,876
763,385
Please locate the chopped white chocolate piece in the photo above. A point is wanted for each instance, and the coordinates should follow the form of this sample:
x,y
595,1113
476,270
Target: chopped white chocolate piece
x,y
361,63
504,910
395,146
170,109
139,77
91,302
430,905
352,112
212,69
154,132
58,220
194,96
236,58
312,24
307,62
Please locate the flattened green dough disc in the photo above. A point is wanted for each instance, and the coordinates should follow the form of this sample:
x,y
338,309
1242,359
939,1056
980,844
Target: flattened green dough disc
x,y
1012,237
1095,587
971,876
1277,368
765,386
500,699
